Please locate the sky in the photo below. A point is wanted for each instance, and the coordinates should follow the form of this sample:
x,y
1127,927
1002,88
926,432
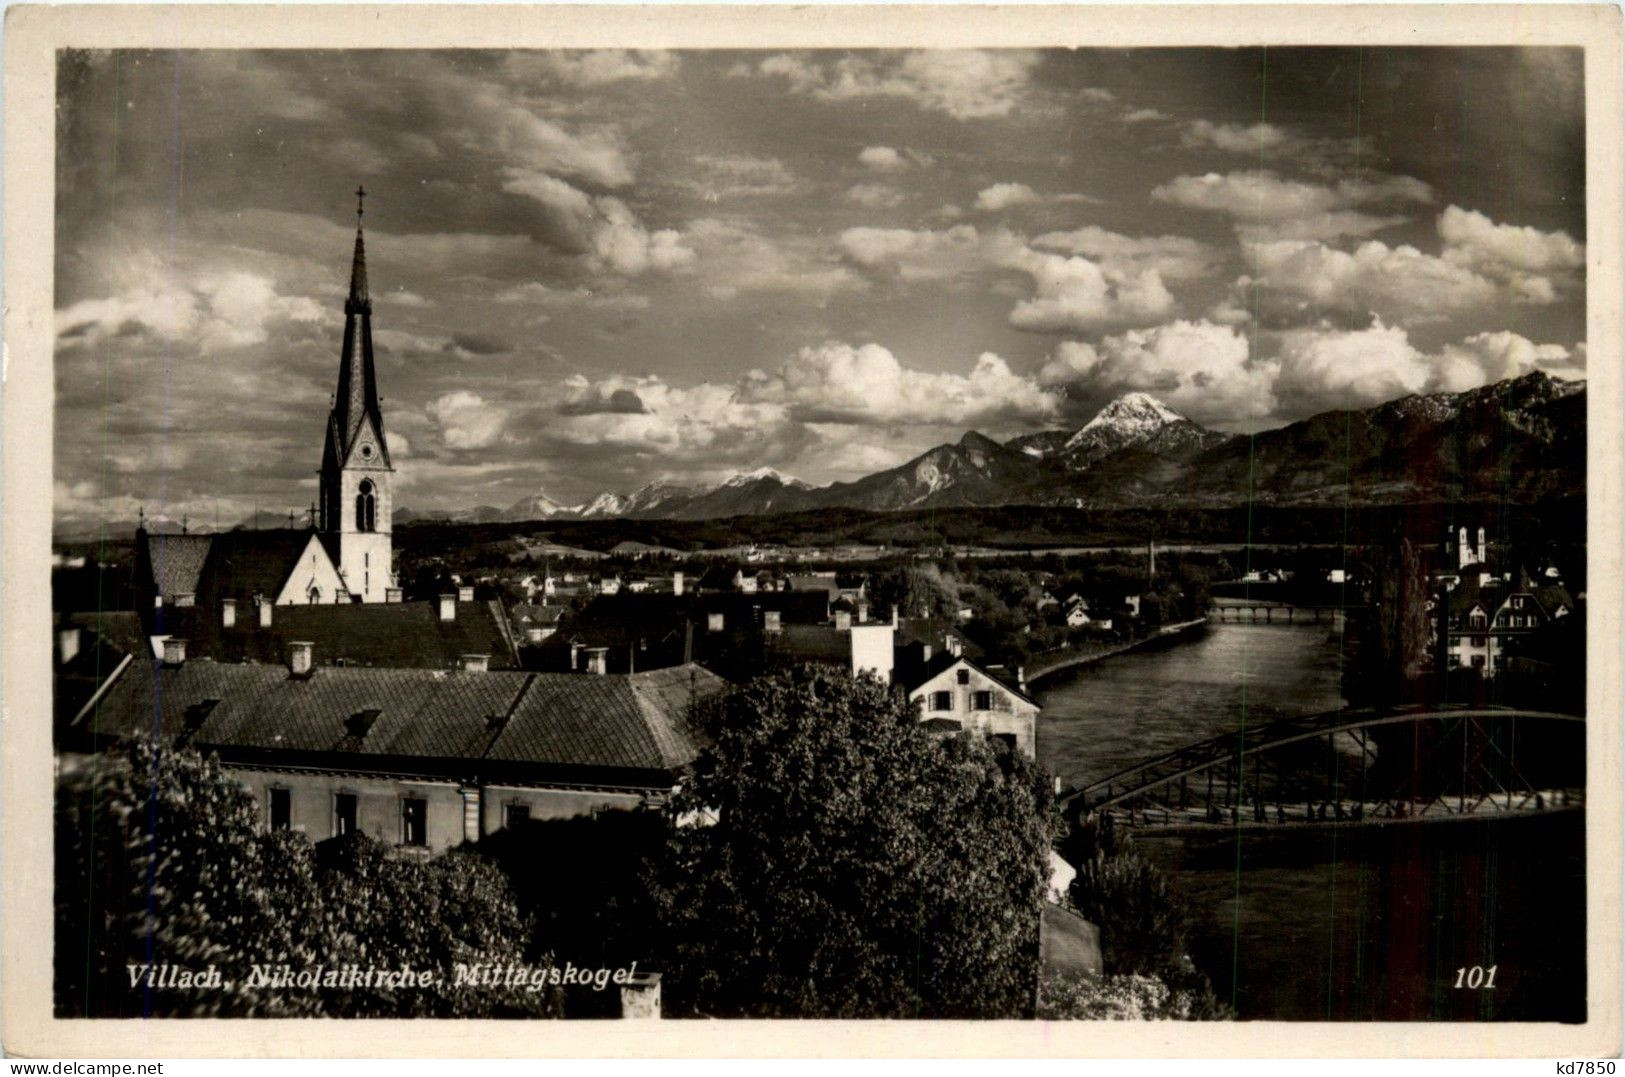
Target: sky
x,y
595,269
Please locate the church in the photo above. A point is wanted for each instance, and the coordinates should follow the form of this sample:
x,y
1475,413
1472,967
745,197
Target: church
x,y
346,553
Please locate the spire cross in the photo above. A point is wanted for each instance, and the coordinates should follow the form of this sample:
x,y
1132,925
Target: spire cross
x,y
311,512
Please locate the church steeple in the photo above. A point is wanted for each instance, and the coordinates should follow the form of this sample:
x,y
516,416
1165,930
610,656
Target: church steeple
x,y
356,475
357,399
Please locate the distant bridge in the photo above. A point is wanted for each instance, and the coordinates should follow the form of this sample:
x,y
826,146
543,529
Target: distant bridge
x,y
1242,610
1403,765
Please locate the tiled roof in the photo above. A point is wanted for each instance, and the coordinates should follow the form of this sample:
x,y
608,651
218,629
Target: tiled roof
x,y
638,722
176,561
245,563
534,613
398,634
810,643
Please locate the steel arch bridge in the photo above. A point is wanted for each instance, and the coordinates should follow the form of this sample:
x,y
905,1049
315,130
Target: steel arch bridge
x,y
1457,761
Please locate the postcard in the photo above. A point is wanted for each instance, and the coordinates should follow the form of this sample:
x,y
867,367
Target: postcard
x,y
993,531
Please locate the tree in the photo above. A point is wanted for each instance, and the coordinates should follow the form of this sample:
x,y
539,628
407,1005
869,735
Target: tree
x,y
160,860
923,590
858,865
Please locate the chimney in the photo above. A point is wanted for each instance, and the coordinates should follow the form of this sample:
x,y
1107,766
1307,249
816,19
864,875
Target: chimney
x,y
67,645
174,652
894,616
185,599
448,607
1021,678
863,611
951,643
465,593
228,612
392,594
474,663
843,620
575,657
598,660
300,655
871,647
265,613
772,622
713,622
677,583
925,652
640,995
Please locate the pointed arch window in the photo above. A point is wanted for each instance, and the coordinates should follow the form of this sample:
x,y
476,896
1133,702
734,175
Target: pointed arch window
x,y
365,507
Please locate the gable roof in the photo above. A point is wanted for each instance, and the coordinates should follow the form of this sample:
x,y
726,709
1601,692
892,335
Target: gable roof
x,y
415,719
913,680
246,563
384,634
639,721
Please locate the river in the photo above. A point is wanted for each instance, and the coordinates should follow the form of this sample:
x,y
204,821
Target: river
x,y
1322,924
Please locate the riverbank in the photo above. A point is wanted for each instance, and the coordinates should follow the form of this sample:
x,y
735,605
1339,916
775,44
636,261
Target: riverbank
x,y
1073,657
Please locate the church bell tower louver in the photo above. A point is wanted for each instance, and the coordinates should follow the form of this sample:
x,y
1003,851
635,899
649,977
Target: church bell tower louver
x,y
357,495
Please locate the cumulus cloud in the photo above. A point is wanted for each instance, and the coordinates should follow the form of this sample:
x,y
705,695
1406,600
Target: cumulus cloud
x,y
232,309
708,424
1077,295
604,228
1004,195
464,420
967,84
839,383
1533,264
1265,206
1490,357
1329,368
1399,283
1202,370
888,161
914,255
1144,115
1174,257
1235,138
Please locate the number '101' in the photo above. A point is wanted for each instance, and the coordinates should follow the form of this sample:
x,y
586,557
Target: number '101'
x,y
1477,978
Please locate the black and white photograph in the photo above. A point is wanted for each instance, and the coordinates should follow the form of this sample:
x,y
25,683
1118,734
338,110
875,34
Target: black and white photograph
x,y
975,533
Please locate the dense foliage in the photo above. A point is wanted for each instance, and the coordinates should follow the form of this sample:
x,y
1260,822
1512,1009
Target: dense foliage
x,y
856,866
160,861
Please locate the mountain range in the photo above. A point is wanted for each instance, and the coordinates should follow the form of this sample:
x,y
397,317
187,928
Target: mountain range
x,y
1521,440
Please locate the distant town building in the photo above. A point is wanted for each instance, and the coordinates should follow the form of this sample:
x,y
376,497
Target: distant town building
x,y
1488,618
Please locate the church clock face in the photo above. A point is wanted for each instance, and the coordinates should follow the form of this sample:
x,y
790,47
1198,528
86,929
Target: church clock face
x,y
366,452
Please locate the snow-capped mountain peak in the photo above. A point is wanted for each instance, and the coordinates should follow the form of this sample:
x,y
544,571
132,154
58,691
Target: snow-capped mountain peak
x,y
766,473
1130,415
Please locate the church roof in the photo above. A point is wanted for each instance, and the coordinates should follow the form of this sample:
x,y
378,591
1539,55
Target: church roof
x,y
243,564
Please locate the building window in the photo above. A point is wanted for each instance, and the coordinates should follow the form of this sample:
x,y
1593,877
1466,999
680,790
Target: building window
x,y
1455,660
964,676
1478,661
315,595
981,701
1479,641
281,809
1477,619
344,805
515,816
942,701
414,821
365,504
